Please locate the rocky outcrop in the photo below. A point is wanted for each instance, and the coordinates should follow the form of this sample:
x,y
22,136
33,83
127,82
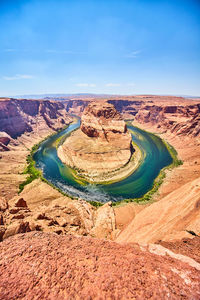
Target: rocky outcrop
x,y
102,145
104,221
18,116
3,204
129,108
102,120
4,138
49,211
6,141
75,106
179,119
49,266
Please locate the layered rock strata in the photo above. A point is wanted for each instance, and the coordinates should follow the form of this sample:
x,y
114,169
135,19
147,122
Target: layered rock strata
x,y
102,145
19,116
183,120
24,123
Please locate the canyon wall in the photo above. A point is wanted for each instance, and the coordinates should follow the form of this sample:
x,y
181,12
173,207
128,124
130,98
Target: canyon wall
x,y
176,118
18,116
179,119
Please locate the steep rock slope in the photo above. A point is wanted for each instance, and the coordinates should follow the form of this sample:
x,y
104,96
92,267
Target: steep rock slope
x,y
24,123
18,116
168,219
179,119
102,120
48,266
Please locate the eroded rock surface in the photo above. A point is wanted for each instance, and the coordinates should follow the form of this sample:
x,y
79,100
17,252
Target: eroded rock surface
x,y
48,266
102,120
179,119
24,123
186,246
42,208
18,116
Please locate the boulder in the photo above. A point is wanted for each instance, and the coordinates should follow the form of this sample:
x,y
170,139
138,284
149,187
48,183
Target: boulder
x,y
17,227
21,203
3,204
104,221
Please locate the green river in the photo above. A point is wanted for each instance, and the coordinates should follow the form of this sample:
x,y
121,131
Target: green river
x,y
155,156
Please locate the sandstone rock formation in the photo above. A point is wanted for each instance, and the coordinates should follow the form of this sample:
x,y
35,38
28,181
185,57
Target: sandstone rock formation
x,y
101,146
171,218
48,266
18,116
102,120
161,112
24,123
42,208
179,119
104,221
52,264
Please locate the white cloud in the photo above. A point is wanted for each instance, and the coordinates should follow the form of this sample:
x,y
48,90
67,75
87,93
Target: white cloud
x,y
133,54
58,51
18,77
9,50
112,84
50,51
85,84
130,84
61,51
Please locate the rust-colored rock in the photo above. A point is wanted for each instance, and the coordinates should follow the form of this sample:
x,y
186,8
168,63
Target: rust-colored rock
x,y
18,116
187,246
1,219
3,204
21,203
17,227
179,119
49,266
2,231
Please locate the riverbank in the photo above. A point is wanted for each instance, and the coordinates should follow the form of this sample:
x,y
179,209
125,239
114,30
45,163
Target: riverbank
x,y
188,151
14,162
152,149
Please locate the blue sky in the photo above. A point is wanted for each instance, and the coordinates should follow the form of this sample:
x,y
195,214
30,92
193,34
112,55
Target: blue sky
x,y
99,46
